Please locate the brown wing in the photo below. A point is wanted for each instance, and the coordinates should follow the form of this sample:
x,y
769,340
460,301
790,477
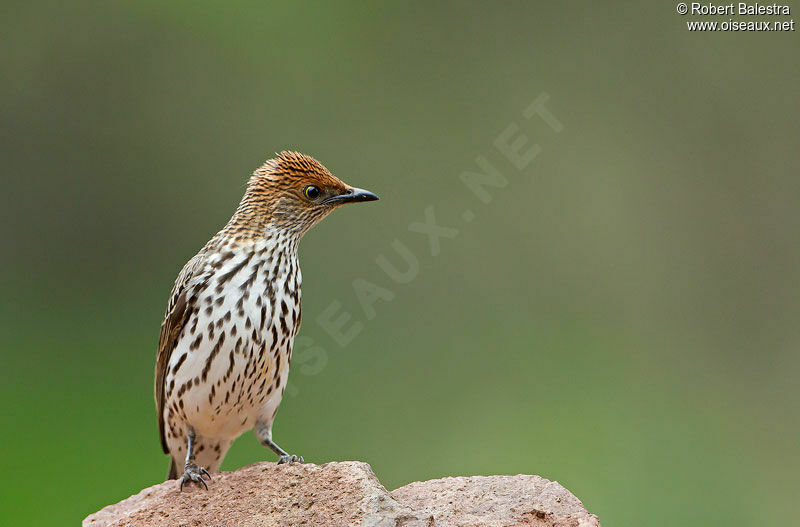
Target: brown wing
x,y
178,311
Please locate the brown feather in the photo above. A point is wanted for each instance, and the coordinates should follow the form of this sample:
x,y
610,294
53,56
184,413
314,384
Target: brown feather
x,y
174,321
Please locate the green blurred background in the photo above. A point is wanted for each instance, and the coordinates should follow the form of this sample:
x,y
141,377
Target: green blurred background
x,y
622,317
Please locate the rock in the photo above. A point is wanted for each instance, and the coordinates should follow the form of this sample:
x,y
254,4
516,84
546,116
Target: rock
x,y
264,494
494,501
347,493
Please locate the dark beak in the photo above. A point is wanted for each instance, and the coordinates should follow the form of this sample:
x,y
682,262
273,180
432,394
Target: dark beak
x,y
352,195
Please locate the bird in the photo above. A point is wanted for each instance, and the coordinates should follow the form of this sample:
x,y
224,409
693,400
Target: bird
x,y
226,339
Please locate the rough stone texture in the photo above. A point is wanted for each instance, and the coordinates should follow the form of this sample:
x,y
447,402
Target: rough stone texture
x,y
347,493
494,501
264,494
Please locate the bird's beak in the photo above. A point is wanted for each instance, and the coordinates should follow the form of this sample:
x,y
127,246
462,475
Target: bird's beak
x,y
351,195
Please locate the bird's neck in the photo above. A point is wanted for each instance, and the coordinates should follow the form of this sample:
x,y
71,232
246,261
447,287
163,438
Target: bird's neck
x,y
267,242
255,221
271,257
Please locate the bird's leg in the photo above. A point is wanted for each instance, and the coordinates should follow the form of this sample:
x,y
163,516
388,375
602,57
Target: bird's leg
x,y
265,437
191,471
283,456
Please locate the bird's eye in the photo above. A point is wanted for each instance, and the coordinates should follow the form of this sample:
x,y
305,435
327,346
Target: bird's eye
x,y
311,192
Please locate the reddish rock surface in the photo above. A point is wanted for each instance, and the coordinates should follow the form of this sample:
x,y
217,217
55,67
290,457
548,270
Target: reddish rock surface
x,y
494,501
347,493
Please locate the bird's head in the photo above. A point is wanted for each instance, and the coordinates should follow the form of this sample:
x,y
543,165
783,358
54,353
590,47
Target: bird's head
x,y
291,193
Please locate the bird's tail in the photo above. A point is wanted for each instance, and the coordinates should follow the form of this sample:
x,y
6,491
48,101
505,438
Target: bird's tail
x,y
173,470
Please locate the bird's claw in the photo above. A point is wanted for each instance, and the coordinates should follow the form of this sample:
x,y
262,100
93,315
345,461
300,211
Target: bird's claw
x,y
196,474
290,459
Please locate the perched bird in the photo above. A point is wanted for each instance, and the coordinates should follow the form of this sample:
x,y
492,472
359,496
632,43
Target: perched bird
x,y
226,339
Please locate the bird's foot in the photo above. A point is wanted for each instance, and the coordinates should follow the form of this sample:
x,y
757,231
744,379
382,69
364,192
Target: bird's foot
x,y
290,459
194,473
